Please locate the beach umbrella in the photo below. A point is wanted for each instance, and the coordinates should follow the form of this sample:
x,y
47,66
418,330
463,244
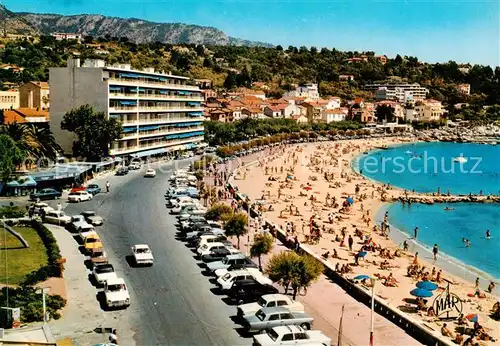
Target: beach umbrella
x,y
362,254
472,317
421,293
290,177
307,188
361,277
350,200
427,285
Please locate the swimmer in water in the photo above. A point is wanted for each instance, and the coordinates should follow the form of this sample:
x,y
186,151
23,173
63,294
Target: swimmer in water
x,y
488,234
467,243
448,208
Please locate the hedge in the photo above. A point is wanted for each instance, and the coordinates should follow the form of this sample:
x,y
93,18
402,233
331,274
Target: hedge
x,y
53,268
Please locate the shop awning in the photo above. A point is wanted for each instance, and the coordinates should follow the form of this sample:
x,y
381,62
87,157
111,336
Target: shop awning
x,y
22,181
128,103
149,128
149,152
195,114
129,129
194,104
115,88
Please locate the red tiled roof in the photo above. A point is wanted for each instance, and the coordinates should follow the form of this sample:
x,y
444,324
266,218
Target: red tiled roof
x,y
10,117
297,117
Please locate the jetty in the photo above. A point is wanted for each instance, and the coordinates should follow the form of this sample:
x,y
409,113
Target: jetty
x,y
430,199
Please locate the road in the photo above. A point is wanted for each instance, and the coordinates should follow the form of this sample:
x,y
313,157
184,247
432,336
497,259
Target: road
x,y
171,302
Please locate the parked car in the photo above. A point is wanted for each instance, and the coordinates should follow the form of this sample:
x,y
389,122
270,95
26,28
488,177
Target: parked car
x,y
39,206
103,272
92,241
142,254
219,254
233,262
57,217
116,293
84,233
98,256
134,166
291,335
78,223
269,301
200,229
79,196
45,194
226,281
273,317
93,189
150,173
207,247
92,218
247,291
121,171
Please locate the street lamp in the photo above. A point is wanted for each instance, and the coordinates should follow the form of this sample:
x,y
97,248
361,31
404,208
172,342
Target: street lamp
x,y
372,281
43,292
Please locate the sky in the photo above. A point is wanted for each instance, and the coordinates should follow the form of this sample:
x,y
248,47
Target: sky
x,y
432,30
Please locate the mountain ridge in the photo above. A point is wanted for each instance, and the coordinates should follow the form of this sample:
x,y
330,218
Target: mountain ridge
x,y
135,29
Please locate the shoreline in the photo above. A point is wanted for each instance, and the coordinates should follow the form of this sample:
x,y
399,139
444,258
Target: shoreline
x,y
258,180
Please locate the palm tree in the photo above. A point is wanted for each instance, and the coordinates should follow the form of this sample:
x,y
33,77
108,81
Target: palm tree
x,y
47,144
263,243
23,137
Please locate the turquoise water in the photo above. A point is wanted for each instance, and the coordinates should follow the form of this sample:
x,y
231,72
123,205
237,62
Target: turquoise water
x,y
426,167
447,228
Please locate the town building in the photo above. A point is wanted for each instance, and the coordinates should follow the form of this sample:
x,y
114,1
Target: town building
x,y
382,59
160,113
464,88
60,36
401,92
300,119
396,106
34,116
361,58
346,77
333,115
34,95
9,99
427,110
362,111
204,83
309,90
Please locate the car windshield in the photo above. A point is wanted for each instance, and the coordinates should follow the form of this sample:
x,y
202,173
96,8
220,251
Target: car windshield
x,y
261,315
262,302
272,334
91,240
227,276
142,250
225,260
89,213
116,287
73,193
104,269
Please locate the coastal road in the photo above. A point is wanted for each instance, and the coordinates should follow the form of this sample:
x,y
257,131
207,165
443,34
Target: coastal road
x,y
171,302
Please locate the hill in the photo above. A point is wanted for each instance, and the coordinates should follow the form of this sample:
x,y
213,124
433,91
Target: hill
x,y
12,23
134,29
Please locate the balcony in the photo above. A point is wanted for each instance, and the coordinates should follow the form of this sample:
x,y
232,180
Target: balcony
x,y
156,97
160,132
158,84
154,145
168,120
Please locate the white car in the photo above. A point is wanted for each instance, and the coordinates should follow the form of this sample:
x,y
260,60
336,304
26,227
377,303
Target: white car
x,y
150,173
38,207
270,301
57,217
93,218
205,249
226,282
291,335
179,201
142,254
181,206
84,233
79,196
103,272
116,293
78,223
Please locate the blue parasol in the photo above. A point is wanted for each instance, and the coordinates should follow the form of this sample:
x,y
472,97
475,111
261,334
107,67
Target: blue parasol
x,y
290,177
421,293
361,254
427,285
350,200
361,277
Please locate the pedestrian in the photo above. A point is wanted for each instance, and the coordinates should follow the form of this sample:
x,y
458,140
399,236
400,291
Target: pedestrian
x,y
435,252
108,185
113,338
405,246
477,282
59,206
415,233
350,241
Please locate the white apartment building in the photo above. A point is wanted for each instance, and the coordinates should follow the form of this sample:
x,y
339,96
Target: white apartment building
x,y
333,115
9,99
59,36
159,112
401,92
309,90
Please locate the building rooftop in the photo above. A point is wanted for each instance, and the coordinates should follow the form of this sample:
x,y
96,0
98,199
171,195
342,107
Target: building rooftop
x,y
19,115
43,85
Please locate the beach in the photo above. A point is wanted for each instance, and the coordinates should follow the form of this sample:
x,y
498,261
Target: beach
x,y
313,186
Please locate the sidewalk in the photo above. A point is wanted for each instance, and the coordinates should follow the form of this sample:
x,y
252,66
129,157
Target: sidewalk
x,y
324,301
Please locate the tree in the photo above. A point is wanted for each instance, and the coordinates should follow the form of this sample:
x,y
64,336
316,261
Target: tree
x,y
291,269
230,81
236,226
385,112
94,132
10,157
262,244
22,135
47,145
219,211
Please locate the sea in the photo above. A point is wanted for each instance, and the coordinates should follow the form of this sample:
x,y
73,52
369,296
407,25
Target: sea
x,y
425,167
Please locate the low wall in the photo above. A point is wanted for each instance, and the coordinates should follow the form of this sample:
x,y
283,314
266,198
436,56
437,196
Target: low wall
x,y
417,329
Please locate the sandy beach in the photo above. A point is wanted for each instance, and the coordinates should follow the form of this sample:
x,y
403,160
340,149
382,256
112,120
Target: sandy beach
x,y
313,186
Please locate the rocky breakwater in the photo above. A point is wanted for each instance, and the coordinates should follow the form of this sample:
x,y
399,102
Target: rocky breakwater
x,y
426,199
